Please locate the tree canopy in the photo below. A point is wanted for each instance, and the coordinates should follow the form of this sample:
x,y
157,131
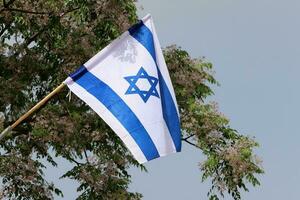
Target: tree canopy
x,y
41,42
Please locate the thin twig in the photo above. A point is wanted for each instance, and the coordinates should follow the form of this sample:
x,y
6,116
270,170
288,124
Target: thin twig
x,y
86,157
26,11
32,38
29,40
6,8
68,11
191,143
188,137
73,160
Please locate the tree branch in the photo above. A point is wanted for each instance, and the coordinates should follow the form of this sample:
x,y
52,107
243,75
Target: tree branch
x,y
68,11
86,157
195,145
188,137
29,40
73,160
6,8
32,38
25,11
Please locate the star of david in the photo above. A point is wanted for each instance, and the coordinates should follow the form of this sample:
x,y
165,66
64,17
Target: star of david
x,y
134,89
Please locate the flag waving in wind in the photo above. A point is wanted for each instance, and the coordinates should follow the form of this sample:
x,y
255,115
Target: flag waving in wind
x,y
128,85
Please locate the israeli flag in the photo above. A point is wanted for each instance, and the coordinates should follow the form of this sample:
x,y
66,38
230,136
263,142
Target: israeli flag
x,y
128,85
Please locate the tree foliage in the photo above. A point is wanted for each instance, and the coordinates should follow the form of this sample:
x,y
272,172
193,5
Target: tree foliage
x,y
42,41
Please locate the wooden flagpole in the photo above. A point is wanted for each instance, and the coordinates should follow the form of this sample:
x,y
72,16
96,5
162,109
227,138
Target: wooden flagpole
x,y
32,110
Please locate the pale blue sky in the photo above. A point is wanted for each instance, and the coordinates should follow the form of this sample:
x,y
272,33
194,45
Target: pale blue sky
x,y
254,46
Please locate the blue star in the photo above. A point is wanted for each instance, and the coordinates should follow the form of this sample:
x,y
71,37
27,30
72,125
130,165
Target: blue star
x,y
134,89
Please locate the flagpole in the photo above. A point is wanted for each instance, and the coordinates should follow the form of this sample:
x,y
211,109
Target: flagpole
x,y
32,110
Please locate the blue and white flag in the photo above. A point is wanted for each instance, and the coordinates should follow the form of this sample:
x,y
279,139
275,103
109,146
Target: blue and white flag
x,y
128,85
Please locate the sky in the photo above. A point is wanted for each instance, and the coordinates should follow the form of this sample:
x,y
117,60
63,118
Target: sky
x,y
254,47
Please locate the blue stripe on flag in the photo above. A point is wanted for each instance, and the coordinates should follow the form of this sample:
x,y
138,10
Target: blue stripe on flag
x,y
120,110
142,34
